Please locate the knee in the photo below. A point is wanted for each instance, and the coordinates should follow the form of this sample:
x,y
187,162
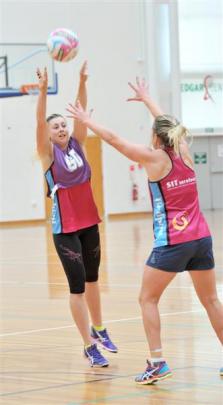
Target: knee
x,y
147,298
92,273
91,278
77,289
209,300
77,286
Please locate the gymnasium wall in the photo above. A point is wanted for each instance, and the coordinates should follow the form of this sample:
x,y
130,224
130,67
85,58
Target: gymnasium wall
x,y
120,39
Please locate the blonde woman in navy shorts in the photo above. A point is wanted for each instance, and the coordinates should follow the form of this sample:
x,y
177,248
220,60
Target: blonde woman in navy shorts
x,y
182,239
74,217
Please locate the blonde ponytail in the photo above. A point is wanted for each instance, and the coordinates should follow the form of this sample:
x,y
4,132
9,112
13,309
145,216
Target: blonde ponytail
x,y
170,131
175,136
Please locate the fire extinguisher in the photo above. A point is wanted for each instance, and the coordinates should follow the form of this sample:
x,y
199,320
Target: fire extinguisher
x,y
135,192
135,188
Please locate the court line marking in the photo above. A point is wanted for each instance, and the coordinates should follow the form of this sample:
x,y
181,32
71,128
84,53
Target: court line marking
x,y
27,332
56,386
145,392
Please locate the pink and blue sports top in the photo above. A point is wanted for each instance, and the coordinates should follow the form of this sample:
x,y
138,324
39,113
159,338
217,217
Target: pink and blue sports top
x,y
68,180
176,213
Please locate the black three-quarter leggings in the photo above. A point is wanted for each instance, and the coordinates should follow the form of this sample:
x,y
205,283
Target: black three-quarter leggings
x,y
80,255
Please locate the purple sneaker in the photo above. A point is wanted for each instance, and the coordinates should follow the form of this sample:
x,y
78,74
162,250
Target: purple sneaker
x,y
94,357
153,373
104,340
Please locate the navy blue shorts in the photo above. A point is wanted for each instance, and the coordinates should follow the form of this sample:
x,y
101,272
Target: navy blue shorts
x,y
193,255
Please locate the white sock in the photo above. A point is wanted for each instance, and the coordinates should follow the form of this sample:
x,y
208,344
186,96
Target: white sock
x,y
156,359
156,350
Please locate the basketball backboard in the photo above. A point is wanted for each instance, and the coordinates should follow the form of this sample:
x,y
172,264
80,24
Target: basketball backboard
x,y
18,64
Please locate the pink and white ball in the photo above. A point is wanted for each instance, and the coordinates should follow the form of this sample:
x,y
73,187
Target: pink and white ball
x,y
63,44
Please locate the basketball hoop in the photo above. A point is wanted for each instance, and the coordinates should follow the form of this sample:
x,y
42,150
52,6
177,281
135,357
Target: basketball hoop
x,y
29,88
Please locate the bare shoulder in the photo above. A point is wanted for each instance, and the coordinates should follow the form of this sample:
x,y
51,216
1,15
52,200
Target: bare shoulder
x,y
159,166
159,156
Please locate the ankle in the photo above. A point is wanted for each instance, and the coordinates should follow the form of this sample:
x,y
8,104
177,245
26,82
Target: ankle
x,y
154,360
98,328
87,345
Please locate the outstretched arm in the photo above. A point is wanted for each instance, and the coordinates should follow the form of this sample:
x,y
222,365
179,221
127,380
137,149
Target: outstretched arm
x,y
42,138
135,152
80,130
142,94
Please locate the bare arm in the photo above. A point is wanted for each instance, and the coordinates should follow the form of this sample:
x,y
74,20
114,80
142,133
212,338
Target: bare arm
x,y
135,152
42,138
141,94
80,130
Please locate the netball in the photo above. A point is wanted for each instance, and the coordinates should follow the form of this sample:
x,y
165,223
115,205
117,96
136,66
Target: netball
x,y
63,45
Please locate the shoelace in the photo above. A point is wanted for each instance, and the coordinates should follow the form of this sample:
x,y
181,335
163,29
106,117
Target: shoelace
x,y
149,369
95,353
104,335
148,372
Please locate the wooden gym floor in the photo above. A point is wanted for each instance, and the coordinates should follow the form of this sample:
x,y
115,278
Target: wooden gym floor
x,y
41,350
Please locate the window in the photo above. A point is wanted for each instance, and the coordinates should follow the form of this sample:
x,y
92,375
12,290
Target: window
x,y
201,64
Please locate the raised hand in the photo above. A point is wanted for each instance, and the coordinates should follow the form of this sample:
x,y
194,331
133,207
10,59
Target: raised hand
x,y
140,89
42,79
77,112
84,72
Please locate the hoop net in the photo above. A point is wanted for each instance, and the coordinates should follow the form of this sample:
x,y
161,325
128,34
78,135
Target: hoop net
x,y
29,88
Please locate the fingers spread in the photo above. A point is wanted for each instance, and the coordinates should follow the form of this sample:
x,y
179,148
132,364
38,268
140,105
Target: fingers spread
x,y
132,87
70,116
72,111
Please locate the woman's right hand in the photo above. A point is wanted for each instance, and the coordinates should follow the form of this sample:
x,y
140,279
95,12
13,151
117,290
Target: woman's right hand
x,y
42,79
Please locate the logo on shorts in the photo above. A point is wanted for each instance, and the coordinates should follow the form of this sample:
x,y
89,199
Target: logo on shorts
x,y
180,221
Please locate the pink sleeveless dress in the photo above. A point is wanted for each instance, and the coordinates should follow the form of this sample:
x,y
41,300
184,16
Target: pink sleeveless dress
x,y
176,213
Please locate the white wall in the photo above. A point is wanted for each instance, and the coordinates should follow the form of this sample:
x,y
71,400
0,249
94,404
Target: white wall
x,y
21,180
114,37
